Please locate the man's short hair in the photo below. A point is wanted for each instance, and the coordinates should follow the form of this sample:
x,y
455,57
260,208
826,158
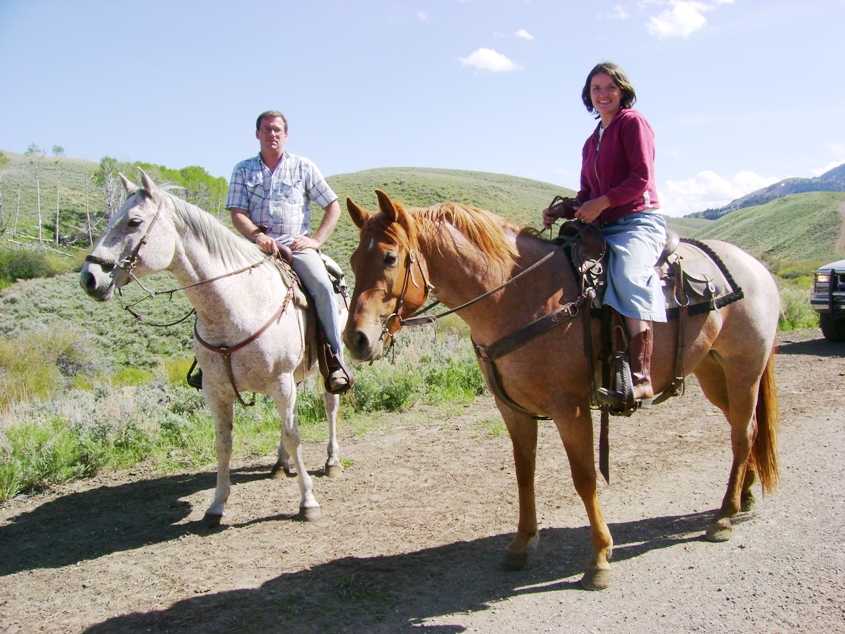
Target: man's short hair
x,y
270,114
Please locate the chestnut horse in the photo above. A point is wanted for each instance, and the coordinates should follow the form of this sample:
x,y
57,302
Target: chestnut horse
x,y
458,253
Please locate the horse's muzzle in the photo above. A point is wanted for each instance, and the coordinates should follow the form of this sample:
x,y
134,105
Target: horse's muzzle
x,y
361,346
96,283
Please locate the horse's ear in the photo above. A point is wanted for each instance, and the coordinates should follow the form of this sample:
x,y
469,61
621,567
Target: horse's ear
x,y
147,182
386,205
395,212
359,216
128,185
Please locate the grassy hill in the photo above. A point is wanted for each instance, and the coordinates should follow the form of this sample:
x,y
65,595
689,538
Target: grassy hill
x,y
799,227
687,226
18,192
519,199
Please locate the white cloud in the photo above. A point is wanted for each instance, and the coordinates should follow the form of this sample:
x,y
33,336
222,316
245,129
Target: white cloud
x,y
682,18
525,35
619,13
821,170
708,190
488,59
422,16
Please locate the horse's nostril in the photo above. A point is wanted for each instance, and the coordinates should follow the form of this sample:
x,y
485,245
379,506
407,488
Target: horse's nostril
x,y
87,282
358,343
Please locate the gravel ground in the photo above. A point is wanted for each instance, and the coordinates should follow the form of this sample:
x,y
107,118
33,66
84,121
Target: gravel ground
x,y
412,532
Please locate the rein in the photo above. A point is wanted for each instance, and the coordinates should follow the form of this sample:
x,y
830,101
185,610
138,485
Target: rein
x,y
226,351
152,292
127,264
488,354
418,320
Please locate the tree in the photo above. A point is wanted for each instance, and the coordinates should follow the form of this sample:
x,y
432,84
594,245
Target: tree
x,y
88,179
108,177
204,190
59,153
21,174
35,155
4,160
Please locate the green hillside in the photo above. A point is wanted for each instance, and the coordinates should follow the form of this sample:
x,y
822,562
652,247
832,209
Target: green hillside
x,y
519,199
19,194
800,226
687,226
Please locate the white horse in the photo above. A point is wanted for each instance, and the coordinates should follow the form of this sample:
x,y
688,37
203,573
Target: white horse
x,y
237,293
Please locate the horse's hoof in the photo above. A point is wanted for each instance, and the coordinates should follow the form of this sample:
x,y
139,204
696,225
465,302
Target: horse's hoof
x,y
596,579
280,471
513,560
310,513
211,521
333,471
719,530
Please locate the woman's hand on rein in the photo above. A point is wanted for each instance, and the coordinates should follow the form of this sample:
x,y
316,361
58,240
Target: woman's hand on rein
x,y
592,209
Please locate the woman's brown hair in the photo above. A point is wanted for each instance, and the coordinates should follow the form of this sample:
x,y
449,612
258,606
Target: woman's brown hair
x,y
629,95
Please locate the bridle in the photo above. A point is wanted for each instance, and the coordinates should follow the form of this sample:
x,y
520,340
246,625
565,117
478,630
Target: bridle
x,y
395,321
128,263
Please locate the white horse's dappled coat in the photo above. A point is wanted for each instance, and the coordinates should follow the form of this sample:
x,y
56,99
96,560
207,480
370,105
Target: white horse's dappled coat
x,y
156,231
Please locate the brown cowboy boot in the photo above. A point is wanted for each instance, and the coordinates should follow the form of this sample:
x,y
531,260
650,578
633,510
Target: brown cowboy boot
x,y
624,396
639,354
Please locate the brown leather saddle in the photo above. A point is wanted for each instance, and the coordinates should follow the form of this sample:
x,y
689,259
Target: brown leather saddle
x,y
694,281
691,274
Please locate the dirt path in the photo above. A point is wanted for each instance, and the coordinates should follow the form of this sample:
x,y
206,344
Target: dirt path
x,y
411,534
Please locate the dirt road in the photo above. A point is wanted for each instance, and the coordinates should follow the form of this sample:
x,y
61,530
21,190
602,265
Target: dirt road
x,y
411,534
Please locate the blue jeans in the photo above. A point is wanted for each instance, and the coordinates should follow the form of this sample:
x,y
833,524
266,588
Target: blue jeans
x,y
312,272
634,244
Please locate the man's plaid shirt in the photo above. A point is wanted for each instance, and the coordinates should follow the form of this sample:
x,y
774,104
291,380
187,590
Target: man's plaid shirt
x,y
279,200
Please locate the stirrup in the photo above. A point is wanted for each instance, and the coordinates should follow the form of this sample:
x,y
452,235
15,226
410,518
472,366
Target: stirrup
x,y
194,379
622,404
339,379
618,402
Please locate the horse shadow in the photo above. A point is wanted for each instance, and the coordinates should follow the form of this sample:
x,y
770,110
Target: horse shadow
x,y
108,519
400,593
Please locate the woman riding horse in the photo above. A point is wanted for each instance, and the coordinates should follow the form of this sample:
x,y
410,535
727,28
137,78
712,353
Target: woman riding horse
x,y
618,192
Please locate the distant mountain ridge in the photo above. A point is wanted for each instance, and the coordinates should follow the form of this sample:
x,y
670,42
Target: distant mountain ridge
x,y
831,181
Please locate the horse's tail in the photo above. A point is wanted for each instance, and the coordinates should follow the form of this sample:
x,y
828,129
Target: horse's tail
x,y
764,453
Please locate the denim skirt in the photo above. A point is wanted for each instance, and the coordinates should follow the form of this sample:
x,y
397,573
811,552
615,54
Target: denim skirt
x,y
634,244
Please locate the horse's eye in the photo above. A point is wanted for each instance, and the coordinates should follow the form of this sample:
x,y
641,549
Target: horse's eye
x,y
134,222
389,259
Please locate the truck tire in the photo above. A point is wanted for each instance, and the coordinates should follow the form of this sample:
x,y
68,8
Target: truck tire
x,y
832,329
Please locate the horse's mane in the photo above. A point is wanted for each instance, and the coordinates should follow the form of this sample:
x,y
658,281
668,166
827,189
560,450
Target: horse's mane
x,y
485,230
222,243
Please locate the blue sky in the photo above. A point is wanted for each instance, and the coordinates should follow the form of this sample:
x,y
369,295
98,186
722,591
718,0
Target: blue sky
x,y
741,93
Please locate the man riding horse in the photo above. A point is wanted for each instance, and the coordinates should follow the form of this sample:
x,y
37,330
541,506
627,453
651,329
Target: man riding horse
x,y
270,199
